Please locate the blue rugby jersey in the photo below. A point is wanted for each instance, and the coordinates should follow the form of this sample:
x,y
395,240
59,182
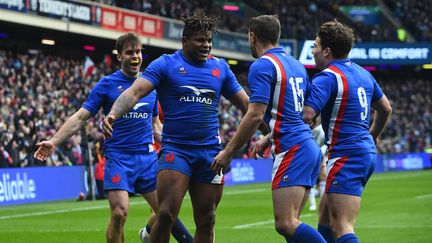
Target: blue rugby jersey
x,y
281,82
189,94
133,132
342,93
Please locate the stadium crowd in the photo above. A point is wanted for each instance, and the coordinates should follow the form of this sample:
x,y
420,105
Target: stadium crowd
x,y
38,92
416,17
299,19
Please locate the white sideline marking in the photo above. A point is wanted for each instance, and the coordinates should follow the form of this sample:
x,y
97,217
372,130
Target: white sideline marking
x,y
107,206
394,177
423,196
242,226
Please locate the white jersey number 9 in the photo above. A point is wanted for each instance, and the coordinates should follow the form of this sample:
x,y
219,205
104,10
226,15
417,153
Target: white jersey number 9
x,y
363,102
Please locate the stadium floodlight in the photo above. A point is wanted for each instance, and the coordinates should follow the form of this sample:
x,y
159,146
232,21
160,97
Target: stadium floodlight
x,y
114,52
232,62
48,42
427,66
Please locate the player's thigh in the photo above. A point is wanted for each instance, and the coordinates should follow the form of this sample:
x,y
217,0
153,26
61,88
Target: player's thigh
x,y
118,199
171,188
287,202
343,208
151,198
205,198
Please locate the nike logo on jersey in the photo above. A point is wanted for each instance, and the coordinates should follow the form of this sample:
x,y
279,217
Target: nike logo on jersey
x,y
138,105
198,91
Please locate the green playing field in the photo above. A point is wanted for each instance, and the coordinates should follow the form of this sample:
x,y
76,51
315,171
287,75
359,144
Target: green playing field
x,y
397,207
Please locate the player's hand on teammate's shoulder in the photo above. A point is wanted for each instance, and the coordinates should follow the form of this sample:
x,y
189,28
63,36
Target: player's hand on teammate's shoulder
x,y
221,162
107,125
45,149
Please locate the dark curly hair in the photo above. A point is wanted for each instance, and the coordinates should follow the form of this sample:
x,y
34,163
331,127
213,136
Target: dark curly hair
x,y
199,22
338,37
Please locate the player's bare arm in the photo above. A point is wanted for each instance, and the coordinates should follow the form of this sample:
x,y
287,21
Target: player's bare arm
x,y
69,128
246,129
241,101
382,114
260,146
309,115
125,102
157,129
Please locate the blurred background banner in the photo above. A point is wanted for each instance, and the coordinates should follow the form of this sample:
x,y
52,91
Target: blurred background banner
x,y
40,184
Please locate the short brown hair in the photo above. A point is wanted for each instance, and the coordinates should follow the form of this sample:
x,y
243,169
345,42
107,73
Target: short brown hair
x,y
130,38
266,28
338,37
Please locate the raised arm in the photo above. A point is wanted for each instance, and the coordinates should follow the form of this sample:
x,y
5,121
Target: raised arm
x,y
241,101
69,128
125,102
246,129
382,114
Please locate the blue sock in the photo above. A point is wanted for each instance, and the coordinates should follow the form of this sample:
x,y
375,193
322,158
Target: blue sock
x,y
326,232
348,238
306,234
180,233
148,228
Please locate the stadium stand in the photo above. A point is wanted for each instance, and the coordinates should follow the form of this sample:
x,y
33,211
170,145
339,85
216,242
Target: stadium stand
x,y
415,15
41,90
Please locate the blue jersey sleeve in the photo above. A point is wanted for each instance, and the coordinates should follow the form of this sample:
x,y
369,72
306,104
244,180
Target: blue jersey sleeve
x,y
155,108
260,79
230,85
377,92
96,97
155,71
320,91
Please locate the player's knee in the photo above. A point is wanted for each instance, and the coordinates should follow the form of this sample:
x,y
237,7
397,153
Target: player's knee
x,y
166,217
207,221
285,228
119,215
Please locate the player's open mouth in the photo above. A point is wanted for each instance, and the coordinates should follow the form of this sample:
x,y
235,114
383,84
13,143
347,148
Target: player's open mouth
x,y
134,63
205,52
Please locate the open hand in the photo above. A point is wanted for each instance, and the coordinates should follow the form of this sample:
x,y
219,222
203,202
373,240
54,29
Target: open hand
x,y
45,149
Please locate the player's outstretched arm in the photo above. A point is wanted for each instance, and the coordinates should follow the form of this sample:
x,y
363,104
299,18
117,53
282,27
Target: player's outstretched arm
x,y
246,129
382,114
125,102
70,127
260,146
241,101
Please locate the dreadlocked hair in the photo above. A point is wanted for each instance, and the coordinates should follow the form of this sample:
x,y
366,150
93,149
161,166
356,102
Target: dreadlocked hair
x,y
199,22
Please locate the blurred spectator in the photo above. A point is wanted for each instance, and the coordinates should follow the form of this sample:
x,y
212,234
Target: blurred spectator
x,y
416,16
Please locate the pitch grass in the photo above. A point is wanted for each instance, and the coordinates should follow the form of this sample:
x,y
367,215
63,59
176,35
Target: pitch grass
x,y
397,207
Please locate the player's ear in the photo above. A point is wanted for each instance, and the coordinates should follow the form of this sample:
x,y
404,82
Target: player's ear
x,y
118,57
327,51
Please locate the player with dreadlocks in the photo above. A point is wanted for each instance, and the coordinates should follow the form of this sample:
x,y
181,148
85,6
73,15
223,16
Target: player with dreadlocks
x,y
189,84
